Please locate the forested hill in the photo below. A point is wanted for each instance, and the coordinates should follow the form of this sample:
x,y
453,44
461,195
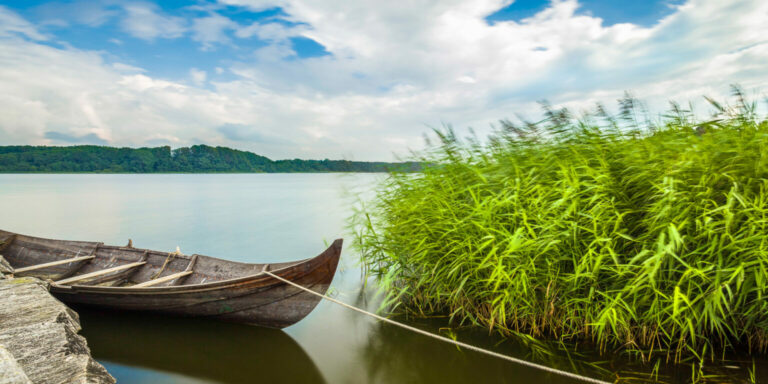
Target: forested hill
x,y
197,158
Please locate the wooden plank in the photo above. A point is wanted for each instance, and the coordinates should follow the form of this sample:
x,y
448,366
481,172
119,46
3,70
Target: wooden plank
x,y
74,270
190,268
100,273
162,279
116,279
53,263
191,264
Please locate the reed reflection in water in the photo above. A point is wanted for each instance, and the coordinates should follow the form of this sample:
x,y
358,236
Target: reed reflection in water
x,y
394,355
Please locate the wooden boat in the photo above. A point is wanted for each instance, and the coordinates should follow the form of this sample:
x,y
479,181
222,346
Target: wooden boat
x,y
128,278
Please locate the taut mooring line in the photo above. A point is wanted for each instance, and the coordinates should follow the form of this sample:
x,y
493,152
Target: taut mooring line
x,y
443,338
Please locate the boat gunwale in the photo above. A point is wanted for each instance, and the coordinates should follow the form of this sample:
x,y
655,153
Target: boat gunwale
x,y
200,287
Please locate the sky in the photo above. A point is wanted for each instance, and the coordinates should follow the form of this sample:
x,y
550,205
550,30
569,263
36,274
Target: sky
x,y
357,80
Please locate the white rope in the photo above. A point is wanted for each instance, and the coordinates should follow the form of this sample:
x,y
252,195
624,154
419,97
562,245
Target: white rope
x,y
445,339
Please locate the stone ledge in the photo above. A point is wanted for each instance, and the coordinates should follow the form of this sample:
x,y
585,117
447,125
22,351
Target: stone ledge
x,y
10,370
40,334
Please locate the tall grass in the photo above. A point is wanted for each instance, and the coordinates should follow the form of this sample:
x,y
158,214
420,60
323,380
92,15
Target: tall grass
x,y
647,237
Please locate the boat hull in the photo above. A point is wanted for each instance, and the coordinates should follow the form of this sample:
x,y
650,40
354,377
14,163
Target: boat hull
x,y
255,298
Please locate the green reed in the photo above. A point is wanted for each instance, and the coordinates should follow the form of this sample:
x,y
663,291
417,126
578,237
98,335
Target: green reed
x,y
645,237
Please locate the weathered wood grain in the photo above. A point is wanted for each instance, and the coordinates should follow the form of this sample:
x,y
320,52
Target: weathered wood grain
x,y
100,273
161,280
53,264
41,334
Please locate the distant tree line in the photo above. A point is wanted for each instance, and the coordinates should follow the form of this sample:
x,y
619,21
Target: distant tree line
x,y
197,158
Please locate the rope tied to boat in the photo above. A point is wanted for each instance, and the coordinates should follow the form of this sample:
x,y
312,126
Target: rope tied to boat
x,y
443,338
171,256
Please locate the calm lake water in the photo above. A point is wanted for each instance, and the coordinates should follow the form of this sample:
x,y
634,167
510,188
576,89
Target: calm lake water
x,y
262,218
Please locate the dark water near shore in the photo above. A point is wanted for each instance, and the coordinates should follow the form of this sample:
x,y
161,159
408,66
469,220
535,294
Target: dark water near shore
x,y
266,218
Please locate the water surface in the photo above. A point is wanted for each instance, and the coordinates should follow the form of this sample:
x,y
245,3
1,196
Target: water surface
x,y
253,218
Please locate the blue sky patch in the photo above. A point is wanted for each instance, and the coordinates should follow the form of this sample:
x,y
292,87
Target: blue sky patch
x,y
246,16
517,11
644,13
306,47
100,26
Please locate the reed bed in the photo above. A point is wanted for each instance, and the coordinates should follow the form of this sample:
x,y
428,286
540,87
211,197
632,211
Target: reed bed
x,y
637,236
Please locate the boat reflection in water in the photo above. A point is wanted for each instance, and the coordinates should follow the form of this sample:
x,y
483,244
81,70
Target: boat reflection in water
x,y
203,349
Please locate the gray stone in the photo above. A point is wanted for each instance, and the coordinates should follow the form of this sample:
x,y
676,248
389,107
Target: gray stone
x,y
40,333
10,370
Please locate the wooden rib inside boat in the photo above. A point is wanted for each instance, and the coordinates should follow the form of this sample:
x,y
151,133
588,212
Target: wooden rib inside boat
x,y
128,278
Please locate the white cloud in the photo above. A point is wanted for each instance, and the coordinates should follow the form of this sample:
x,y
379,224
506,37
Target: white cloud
x,y
393,71
126,68
211,30
198,76
87,12
270,31
146,21
11,23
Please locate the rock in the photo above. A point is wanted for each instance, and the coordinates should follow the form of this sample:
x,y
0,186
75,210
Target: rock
x,y
40,333
10,370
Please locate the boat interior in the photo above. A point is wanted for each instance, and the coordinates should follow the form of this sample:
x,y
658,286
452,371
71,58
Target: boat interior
x,y
95,264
